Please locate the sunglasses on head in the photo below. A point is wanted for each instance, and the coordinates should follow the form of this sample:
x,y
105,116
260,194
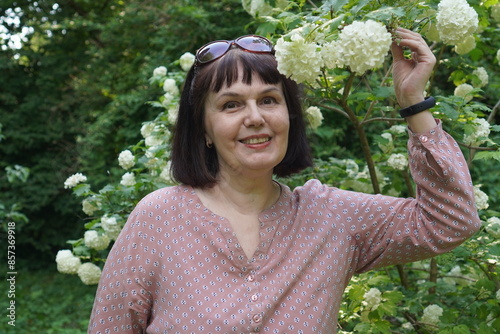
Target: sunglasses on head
x,y
216,49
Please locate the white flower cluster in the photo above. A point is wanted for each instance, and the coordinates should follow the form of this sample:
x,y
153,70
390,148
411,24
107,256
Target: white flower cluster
x,y
74,180
128,179
495,12
481,198
456,20
110,226
361,46
126,159
67,263
90,205
498,56
261,7
479,134
387,146
314,116
431,314
493,227
481,73
466,46
398,161
89,273
186,61
464,91
398,129
372,299
298,58
160,71
95,241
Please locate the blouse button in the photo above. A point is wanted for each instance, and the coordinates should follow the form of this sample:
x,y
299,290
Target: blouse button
x,y
257,318
423,139
251,278
254,298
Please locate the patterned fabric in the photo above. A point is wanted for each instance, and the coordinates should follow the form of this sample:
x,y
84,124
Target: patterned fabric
x,y
178,268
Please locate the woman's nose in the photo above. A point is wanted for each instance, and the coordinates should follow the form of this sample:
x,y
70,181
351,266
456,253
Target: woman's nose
x,y
254,116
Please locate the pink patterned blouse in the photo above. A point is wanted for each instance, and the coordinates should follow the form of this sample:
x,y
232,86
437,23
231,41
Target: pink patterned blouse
x,y
178,268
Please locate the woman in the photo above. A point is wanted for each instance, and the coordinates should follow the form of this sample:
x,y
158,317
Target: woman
x,y
232,251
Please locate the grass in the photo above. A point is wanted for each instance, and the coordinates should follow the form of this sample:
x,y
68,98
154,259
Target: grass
x,y
47,302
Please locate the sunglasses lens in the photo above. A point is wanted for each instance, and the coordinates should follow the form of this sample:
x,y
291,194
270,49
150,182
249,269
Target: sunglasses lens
x,y
212,51
255,43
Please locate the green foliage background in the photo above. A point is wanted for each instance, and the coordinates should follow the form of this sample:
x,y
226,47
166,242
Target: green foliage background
x,y
73,97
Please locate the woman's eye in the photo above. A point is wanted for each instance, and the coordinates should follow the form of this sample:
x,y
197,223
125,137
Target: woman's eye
x,y
230,105
268,100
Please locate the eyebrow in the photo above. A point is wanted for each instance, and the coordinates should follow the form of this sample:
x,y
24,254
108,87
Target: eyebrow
x,y
234,94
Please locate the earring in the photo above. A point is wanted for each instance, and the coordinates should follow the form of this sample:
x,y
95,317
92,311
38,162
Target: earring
x,y
209,144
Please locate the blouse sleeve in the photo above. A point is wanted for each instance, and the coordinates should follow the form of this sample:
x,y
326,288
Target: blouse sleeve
x,y
387,230
124,298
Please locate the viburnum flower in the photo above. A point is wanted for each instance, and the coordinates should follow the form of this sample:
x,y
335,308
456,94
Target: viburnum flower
x,y
493,226
186,61
89,273
173,113
170,86
147,129
464,90
74,180
153,141
362,46
298,59
67,263
314,116
388,146
128,180
372,299
495,12
466,46
90,205
479,134
126,159
160,71
481,73
455,21
432,314
168,99
110,226
498,56
95,241
261,7
398,161
398,129
481,198
165,172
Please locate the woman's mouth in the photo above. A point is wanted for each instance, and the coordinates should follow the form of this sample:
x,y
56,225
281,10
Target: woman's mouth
x,y
255,140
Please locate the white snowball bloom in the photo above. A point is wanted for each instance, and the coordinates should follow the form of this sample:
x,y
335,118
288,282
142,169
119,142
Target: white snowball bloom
x,y
165,173
314,116
128,180
126,159
481,73
481,130
170,86
160,71
455,21
147,129
398,129
362,46
432,314
260,7
498,56
153,141
466,46
481,198
67,263
89,273
173,113
298,59
464,90
351,167
372,298
389,146
495,12
493,227
90,205
398,161
95,241
110,226
74,180
168,99
186,61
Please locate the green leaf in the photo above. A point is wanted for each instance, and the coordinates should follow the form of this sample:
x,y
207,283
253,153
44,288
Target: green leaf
x,y
487,155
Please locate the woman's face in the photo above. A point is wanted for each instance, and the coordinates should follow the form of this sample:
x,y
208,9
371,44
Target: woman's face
x,y
248,127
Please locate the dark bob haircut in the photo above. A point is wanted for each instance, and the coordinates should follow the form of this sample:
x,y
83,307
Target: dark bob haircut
x,y
193,163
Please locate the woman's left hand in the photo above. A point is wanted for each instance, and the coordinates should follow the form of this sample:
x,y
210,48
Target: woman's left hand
x,y
411,75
